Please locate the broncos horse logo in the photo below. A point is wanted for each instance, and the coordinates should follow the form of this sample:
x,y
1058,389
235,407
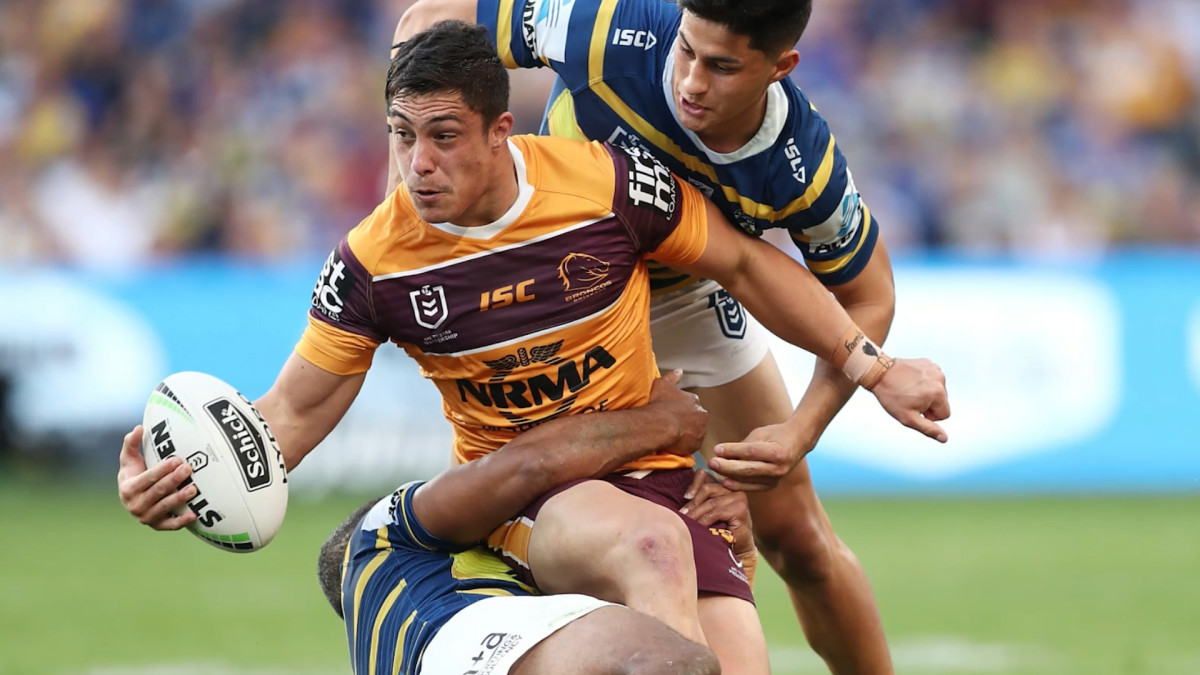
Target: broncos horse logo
x,y
580,270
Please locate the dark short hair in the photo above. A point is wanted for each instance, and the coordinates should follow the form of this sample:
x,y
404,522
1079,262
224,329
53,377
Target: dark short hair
x,y
771,25
333,552
451,56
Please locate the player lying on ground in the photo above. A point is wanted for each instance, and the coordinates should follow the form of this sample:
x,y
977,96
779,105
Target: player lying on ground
x,y
420,595
513,270
703,85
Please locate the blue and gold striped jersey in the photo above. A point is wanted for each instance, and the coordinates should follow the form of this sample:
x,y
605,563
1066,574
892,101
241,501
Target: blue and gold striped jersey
x,y
400,584
614,60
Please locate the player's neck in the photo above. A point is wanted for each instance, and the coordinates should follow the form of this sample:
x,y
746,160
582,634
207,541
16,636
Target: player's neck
x,y
731,136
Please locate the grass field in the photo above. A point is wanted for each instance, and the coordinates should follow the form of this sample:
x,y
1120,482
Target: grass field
x,y
1062,586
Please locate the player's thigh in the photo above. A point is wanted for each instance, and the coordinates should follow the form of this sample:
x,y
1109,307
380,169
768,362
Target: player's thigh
x,y
592,531
614,640
734,633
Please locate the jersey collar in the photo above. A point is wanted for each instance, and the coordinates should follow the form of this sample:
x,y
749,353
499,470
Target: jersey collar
x,y
524,194
768,133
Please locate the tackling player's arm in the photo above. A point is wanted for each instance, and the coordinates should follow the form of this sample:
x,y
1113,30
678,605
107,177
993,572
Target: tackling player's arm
x,y
469,501
792,304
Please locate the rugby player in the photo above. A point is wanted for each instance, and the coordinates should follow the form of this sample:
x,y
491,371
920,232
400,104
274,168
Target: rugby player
x,y
703,85
418,595
513,270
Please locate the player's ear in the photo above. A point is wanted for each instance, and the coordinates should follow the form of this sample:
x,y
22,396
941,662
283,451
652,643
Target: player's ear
x,y
501,129
785,64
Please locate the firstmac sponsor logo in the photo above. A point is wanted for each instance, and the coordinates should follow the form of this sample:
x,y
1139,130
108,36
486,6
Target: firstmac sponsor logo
x,y
245,441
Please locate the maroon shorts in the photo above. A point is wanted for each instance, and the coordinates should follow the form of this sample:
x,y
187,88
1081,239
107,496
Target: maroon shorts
x,y
717,568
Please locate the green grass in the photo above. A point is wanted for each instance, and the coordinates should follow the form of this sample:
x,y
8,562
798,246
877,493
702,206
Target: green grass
x,y
1063,586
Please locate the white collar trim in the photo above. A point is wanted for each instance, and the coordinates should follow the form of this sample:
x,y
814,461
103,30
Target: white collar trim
x,y
765,137
524,194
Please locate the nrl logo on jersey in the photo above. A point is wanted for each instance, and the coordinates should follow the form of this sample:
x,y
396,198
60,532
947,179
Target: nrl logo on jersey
x,y
730,316
429,306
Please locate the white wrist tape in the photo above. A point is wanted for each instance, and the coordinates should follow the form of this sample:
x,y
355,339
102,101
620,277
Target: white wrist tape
x,y
860,359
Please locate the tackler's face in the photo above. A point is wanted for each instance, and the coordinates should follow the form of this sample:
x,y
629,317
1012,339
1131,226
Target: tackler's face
x,y
443,153
719,81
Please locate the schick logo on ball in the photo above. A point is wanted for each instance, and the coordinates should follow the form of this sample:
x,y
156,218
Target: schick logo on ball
x,y
247,444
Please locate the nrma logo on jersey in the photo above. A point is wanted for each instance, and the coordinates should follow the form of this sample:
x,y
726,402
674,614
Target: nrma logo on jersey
x,y
571,378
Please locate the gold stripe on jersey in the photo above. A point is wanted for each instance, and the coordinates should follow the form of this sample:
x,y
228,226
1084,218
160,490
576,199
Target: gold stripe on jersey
x,y
604,17
831,266
381,542
504,35
493,592
477,563
412,536
379,618
561,119
398,654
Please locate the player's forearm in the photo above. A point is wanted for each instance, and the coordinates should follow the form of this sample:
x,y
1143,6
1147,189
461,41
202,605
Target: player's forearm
x,y
469,501
304,405
870,300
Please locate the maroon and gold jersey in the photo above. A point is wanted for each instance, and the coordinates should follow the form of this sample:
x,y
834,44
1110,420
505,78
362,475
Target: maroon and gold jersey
x,y
542,313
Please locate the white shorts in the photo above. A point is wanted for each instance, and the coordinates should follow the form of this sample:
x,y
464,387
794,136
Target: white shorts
x,y
489,636
706,333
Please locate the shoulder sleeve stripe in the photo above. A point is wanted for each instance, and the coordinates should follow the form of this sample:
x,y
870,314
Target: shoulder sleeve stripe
x,y
504,34
336,351
828,268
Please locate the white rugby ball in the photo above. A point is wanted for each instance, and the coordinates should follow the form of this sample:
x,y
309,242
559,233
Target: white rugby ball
x,y
237,468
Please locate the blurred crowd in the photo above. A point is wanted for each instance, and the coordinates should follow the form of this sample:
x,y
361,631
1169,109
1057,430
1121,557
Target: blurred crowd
x,y
133,131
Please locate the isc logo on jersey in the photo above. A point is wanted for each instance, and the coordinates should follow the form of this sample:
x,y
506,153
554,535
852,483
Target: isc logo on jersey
x,y
650,183
332,287
628,37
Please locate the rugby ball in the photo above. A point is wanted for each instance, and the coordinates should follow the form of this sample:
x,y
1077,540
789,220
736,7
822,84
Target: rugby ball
x,y
237,468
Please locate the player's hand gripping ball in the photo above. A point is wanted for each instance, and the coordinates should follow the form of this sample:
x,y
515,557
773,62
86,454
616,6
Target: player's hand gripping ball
x,y
238,471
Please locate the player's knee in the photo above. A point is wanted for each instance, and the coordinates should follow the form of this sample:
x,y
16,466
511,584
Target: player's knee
x,y
676,657
803,552
657,546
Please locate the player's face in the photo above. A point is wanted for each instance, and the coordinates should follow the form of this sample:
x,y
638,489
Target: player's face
x,y
447,159
720,82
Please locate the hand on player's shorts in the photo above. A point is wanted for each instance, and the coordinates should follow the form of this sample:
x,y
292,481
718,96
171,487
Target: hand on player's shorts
x,y
151,495
711,502
914,392
683,406
760,461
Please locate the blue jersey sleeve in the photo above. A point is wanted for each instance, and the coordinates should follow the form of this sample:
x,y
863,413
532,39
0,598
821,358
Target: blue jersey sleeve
x,y
833,228
395,513
582,40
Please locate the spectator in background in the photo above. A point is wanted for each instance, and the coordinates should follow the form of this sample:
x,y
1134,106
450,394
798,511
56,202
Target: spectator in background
x,y
132,130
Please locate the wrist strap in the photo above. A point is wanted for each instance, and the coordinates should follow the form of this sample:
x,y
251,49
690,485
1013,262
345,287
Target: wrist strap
x,y
860,359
